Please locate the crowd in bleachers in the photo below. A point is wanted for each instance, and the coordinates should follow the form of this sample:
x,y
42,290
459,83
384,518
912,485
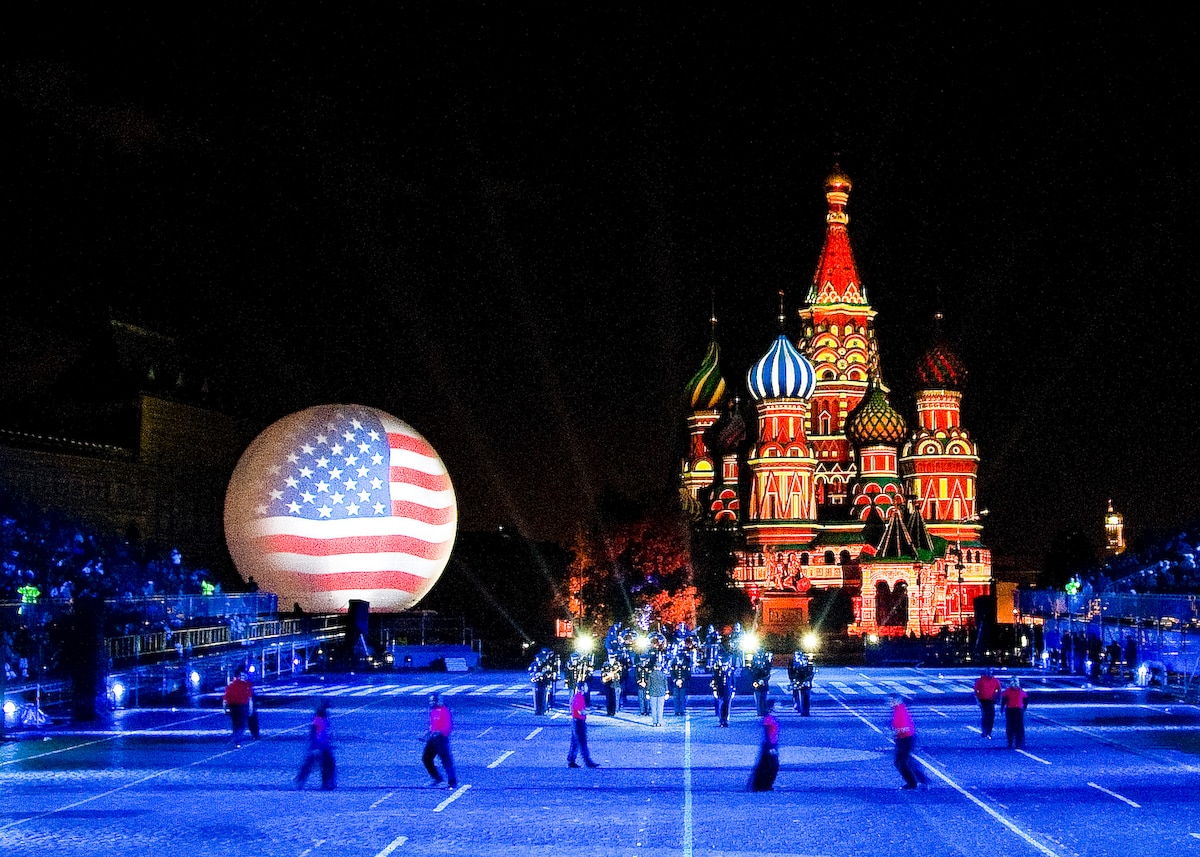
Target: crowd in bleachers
x,y
44,555
1169,567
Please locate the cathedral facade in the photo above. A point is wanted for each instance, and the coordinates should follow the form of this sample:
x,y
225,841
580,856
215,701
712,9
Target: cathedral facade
x,y
828,486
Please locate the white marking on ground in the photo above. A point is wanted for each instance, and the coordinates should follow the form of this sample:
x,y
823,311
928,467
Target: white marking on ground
x,y
430,689
1035,758
392,846
1011,825
381,800
1117,796
872,688
687,784
503,756
533,733
459,792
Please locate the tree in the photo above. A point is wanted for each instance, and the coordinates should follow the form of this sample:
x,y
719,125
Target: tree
x,y
638,552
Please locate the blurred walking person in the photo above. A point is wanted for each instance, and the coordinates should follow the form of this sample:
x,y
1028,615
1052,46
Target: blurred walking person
x,y
579,743
904,732
320,750
437,742
766,768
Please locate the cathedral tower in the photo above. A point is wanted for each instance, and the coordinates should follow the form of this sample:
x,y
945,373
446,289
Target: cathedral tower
x,y
781,462
839,339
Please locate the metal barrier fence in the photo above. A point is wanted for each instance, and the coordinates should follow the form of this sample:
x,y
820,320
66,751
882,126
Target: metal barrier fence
x,y
156,644
1171,611
1158,626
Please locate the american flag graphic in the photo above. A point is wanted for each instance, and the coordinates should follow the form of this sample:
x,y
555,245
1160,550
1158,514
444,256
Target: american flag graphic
x,y
341,502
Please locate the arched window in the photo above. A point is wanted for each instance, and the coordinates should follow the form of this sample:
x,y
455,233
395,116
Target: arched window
x,y
829,557
825,422
844,558
804,559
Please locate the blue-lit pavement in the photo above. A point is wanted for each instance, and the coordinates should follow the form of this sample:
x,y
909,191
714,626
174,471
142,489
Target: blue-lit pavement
x,y
1104,772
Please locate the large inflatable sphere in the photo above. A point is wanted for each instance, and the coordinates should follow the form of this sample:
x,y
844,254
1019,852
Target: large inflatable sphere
x,y
341,502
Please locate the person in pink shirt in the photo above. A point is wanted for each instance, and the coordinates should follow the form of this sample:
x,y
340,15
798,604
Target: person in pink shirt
x,y
1014,700
987,691
579,729
437,742
905,734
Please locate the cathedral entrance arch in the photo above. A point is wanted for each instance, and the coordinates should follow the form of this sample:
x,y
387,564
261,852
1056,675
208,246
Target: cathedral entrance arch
x,y
891,606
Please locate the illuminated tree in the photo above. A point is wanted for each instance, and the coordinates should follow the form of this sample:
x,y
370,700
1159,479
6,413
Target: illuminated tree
x,y
637,553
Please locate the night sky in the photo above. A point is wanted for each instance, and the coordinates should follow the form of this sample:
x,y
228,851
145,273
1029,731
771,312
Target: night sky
x,y
509,229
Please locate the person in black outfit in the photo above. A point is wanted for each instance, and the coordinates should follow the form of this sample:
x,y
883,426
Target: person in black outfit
x,y
681,675
766,768
723,678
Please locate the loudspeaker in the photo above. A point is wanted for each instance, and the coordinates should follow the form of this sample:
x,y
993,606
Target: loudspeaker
x,y
985,610
357,619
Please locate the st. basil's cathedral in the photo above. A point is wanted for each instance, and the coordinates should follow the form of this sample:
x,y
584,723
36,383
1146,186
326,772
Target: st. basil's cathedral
x,y
831,489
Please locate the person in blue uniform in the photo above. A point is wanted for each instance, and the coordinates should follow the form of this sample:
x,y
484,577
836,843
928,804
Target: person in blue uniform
x,y
722,684
681,676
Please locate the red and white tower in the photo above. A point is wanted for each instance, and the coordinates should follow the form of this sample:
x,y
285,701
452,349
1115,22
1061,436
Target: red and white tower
x,y
839,339
940,462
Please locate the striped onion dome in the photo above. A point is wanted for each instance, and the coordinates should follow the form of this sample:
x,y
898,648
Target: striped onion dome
x,y
782,373
940,369
873,421
707,388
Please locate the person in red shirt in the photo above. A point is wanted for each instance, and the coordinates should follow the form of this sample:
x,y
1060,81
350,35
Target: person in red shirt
x,y
987,691
905,733
579,729
238,699
437,742
1014,701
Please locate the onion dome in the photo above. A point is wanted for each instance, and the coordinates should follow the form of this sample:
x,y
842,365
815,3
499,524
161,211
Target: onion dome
x,y
873,421
837,181
939,368
707,388
782,373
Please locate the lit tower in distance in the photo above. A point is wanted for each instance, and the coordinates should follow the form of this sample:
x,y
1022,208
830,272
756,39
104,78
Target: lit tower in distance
x,y
839,339
781,462
1114,532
